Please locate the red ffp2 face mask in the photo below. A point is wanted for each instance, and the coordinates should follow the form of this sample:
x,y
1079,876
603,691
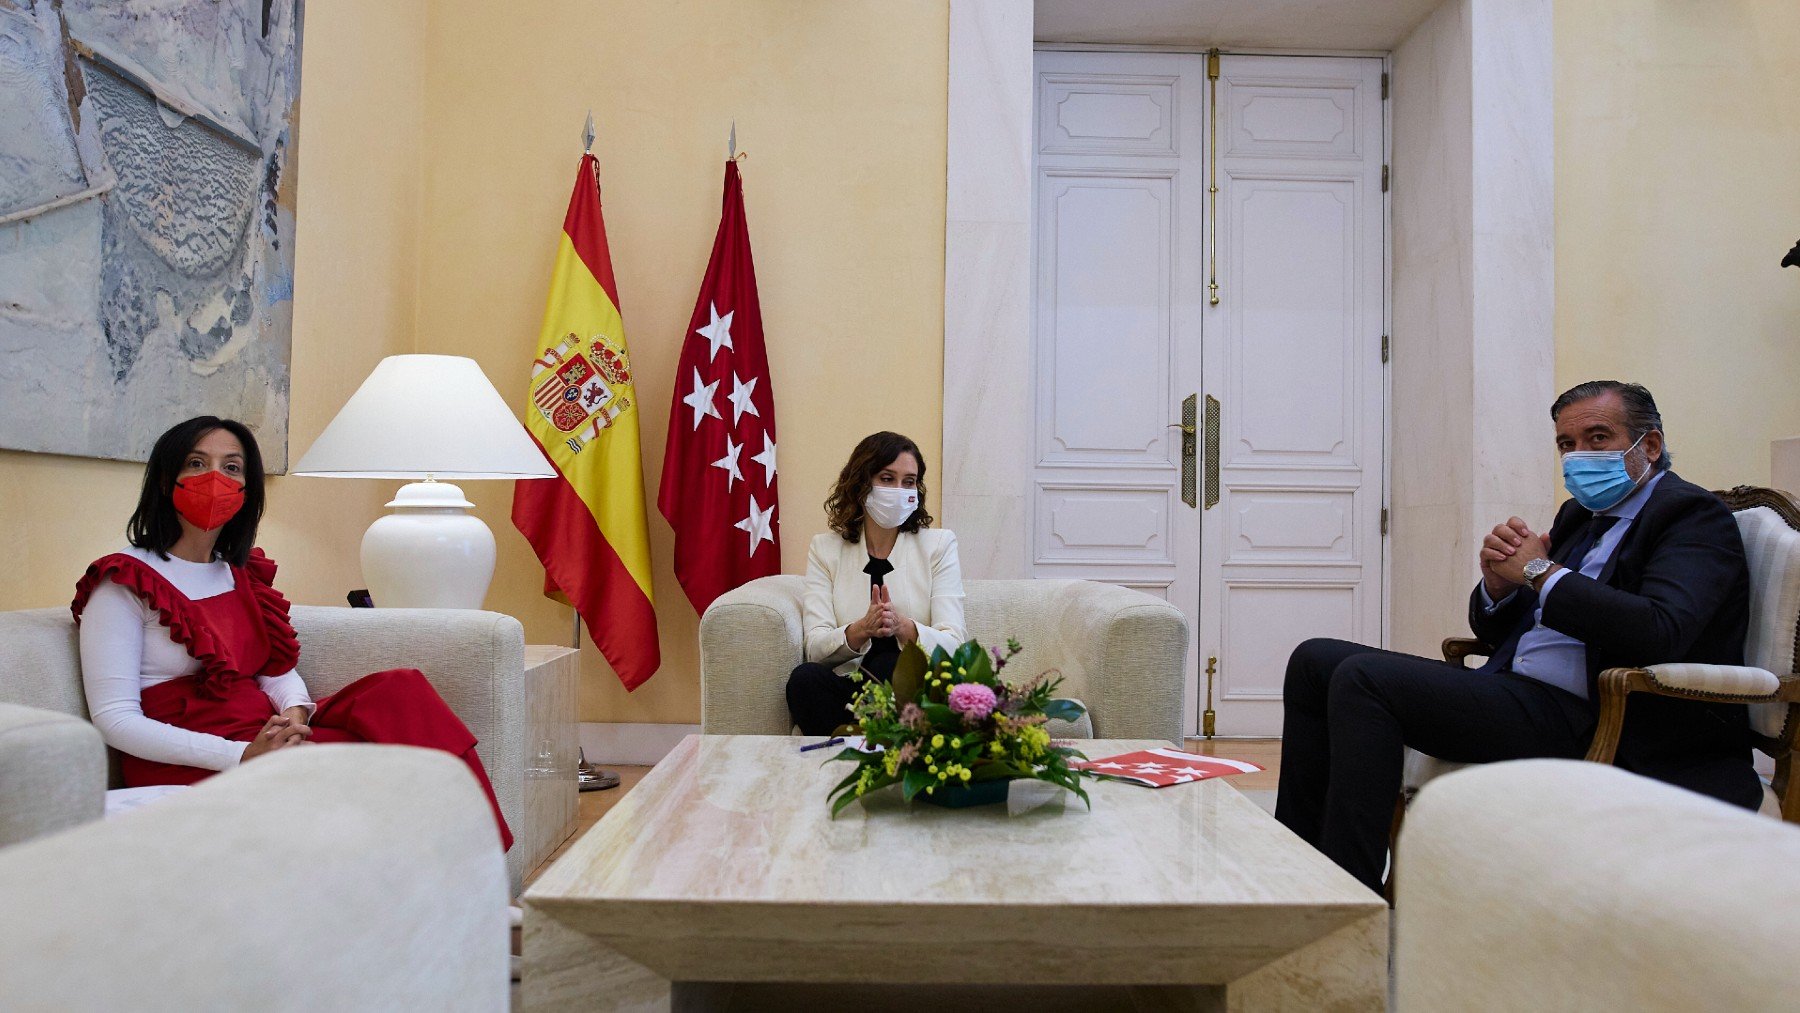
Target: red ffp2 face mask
x,y
208,500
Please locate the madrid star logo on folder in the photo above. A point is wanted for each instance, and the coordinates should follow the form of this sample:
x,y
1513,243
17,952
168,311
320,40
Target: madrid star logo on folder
x,y
1159,768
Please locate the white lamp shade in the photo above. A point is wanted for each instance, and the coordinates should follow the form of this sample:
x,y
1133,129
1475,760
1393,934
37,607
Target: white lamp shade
x,y
425,416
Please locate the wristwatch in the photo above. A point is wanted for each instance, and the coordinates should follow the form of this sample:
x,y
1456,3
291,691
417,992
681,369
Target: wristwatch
x,y
1535,569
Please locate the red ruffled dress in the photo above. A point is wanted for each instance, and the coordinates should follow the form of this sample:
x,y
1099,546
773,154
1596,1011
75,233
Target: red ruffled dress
x,y
245,633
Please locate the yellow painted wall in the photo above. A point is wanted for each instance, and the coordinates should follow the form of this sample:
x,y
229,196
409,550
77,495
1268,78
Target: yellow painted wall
x,y
841,107
1677,192
356,253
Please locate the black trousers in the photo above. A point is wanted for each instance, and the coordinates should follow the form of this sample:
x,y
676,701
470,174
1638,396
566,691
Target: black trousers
x,y
1348,710
819,699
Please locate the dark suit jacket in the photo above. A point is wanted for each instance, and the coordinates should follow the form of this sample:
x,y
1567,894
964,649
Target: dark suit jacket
x,y
1676,589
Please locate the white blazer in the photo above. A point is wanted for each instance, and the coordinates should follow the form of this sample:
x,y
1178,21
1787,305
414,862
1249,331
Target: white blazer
x,y
926,587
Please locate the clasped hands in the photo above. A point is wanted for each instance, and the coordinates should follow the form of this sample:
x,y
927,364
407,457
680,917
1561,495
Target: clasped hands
x,y
882,620
1504,553
289,728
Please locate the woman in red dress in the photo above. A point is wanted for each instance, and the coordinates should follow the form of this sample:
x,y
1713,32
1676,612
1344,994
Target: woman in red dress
x,y
187,656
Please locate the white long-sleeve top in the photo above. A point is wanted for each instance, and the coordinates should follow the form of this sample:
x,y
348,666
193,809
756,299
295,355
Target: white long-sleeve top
x,y
126,649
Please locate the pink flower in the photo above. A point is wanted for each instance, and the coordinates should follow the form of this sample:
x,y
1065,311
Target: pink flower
x,y
972,700
913,717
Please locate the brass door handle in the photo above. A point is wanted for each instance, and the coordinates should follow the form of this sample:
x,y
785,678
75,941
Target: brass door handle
x,y
1212,452
1188,432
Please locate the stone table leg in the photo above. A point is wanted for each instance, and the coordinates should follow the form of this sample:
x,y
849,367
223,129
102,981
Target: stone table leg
x,y
566,969
1345,971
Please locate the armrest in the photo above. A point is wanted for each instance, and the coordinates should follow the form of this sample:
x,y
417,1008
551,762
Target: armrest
x,y
1458,648
751,637
52,773
1132,649
475,660
1736,681
1551,884
331,877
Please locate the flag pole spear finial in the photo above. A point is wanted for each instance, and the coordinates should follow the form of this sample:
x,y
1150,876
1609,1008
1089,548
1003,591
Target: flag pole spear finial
x,y
587,134
731,143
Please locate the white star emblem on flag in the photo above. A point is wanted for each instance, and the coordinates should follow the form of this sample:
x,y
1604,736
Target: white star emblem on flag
x,y
730,463
767,459
718,331
757,524
701,399
741,404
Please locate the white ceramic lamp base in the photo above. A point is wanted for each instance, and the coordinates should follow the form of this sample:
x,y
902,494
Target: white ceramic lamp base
x,y
430,552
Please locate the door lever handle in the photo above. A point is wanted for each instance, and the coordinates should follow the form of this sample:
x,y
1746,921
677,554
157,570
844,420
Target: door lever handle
x,y
1189,430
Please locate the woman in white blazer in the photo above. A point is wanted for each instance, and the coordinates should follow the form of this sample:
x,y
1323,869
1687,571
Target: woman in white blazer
x,y
879,580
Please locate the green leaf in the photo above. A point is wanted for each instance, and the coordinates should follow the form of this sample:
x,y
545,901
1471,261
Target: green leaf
x,y
1063,710
981,669
909,675
940,714
912,782
848,781
838,806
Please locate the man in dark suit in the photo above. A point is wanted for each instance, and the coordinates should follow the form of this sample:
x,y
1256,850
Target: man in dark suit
x,y
1639,568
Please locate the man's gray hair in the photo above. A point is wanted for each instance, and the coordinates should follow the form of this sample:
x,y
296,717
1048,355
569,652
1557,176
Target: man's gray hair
x,y
1641,415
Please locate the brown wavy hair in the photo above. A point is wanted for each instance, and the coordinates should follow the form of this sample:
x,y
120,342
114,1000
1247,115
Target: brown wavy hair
x,y
844,507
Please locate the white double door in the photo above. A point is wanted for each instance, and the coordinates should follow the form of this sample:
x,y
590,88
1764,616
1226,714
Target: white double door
x,y
1266,529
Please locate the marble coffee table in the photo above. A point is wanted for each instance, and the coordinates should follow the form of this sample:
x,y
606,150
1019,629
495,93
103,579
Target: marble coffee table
x,y
720,882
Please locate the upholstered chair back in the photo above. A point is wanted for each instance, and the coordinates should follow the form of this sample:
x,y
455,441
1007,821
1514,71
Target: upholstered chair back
x,y
1772,543
40,661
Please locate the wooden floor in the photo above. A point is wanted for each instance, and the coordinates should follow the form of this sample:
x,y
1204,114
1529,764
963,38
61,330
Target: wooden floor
x,y
1266,752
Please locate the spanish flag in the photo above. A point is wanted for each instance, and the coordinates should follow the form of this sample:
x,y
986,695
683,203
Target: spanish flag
x,y
587,526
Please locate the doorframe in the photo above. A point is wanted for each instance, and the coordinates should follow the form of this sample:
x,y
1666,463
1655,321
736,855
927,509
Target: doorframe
x,y
987,427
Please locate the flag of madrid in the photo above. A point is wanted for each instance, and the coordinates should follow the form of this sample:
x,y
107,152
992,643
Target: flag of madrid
x,y
718,479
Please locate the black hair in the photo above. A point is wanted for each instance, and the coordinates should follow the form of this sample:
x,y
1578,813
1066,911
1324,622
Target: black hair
x,y
155,525
1641,415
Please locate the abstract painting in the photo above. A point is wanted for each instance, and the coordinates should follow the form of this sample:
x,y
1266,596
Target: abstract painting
x,y
147,153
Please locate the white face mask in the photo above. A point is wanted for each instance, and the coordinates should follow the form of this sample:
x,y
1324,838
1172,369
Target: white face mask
x,y
890,506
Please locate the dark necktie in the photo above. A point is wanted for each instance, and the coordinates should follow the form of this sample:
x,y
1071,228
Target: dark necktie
x,y
1589,536
883,651
1578,548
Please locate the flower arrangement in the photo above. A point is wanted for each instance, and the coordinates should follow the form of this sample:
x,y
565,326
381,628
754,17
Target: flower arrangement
x,y
948,721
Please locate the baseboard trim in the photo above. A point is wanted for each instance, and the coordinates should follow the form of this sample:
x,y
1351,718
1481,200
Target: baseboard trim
x,y
632,743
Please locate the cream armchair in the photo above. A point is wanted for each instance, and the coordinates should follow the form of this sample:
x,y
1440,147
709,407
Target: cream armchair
x,y
1121,652
475,660
329,877
1562,885
1769,521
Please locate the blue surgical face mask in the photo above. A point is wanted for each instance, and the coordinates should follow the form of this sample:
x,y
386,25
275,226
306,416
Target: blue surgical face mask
x,y
1598,479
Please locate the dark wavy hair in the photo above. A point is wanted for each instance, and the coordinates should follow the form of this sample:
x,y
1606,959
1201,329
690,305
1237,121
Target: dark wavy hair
x,y
844,507
156,526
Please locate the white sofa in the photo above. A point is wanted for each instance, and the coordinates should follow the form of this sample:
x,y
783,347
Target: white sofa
x,y
1121,652
1562,885
474,659
318,878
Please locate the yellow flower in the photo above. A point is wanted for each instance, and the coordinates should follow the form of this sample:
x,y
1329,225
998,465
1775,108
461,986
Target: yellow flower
x,y
931,769
961,670
956,743
942,774
891,762
996,747
965,775
937,742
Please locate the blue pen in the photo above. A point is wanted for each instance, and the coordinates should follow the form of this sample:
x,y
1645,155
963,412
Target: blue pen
x,y
821,745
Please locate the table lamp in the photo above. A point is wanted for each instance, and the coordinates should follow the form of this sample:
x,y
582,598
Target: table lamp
x,y
426,418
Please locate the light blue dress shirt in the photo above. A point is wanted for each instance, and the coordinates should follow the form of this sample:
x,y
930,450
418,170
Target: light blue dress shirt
x,y
1557,658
